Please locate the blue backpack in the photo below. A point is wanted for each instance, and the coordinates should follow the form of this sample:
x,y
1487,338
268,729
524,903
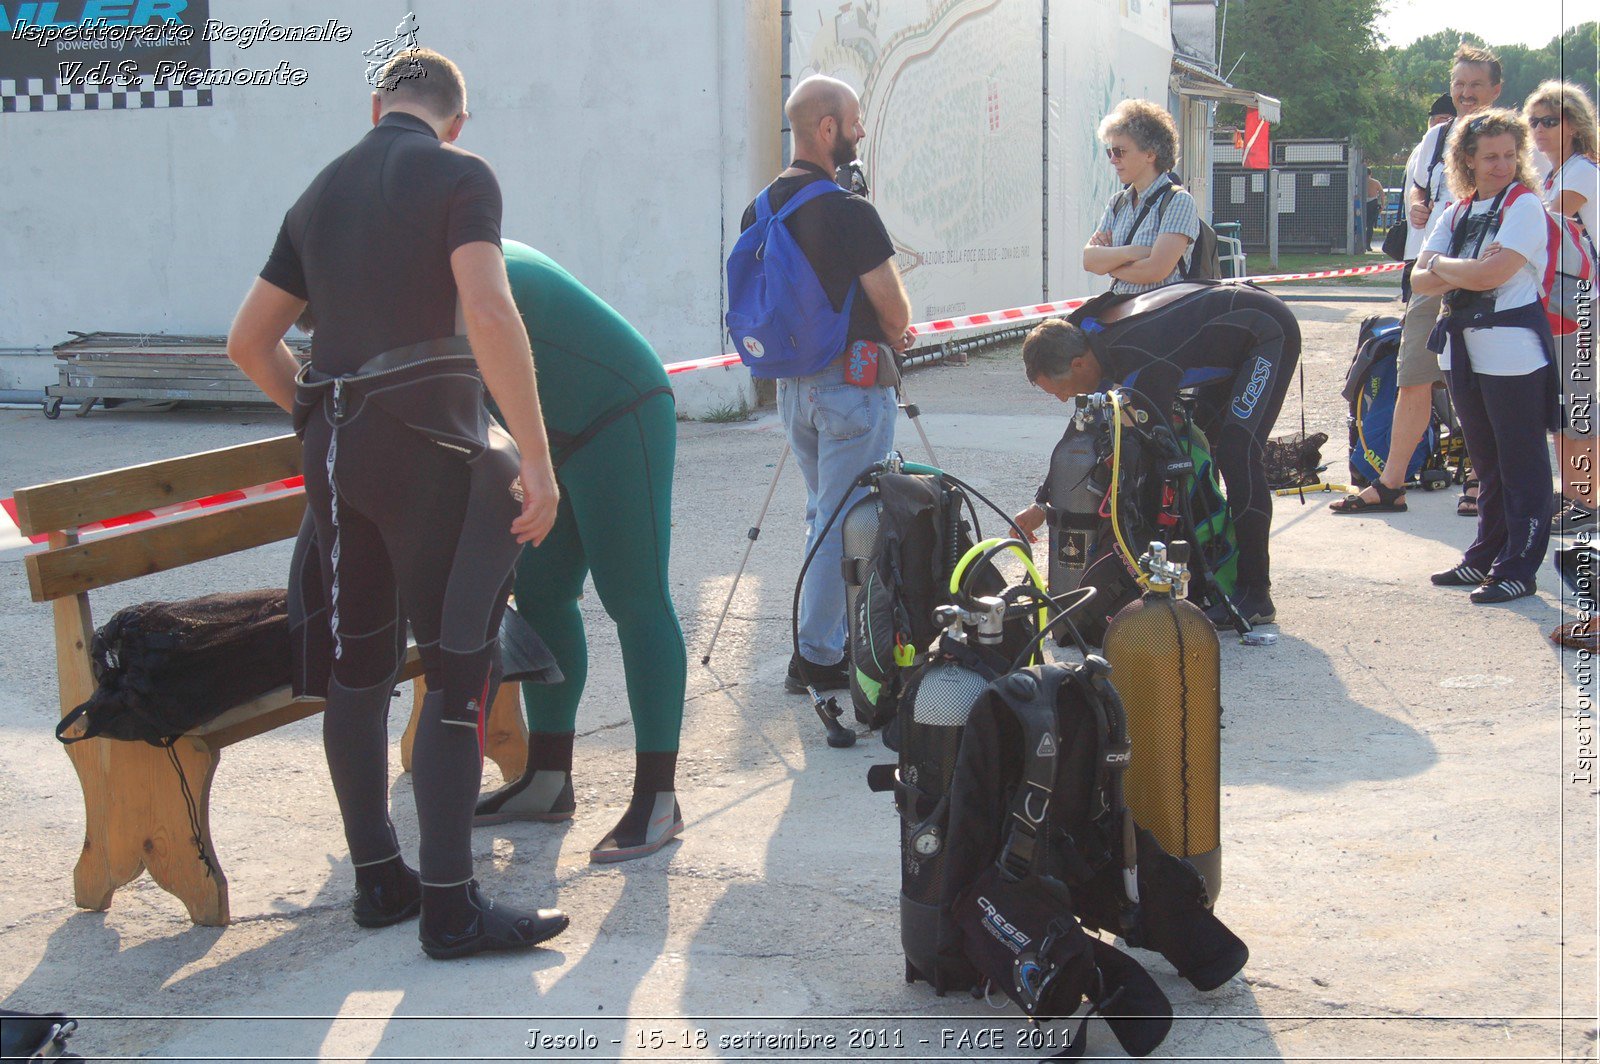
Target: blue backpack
x,y
1370,389
780,319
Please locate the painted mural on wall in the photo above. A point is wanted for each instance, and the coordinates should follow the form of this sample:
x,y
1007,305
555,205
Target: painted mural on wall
x,y
951,98
984,204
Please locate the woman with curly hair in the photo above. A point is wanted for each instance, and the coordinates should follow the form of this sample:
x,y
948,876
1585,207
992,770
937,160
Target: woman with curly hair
x,y
1145,235
1563,122
1485,255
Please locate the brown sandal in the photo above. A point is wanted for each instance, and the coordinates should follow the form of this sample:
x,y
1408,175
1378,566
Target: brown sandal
x,y
1467,505
1389,501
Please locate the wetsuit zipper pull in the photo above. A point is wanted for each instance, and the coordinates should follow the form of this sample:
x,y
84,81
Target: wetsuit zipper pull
x,y
338,399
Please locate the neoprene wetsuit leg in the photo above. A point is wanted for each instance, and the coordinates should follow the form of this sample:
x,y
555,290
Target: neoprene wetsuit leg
x,y
614,435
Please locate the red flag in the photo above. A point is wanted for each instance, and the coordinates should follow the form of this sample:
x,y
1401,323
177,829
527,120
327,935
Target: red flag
x,y
1257,141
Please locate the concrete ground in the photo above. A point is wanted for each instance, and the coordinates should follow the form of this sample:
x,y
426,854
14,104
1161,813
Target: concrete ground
x,y
1406,851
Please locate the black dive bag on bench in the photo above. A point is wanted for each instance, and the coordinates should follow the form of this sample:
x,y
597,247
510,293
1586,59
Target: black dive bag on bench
x,y
164,668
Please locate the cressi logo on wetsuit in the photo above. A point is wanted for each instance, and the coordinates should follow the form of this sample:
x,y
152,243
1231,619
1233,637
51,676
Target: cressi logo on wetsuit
x,y
1245,403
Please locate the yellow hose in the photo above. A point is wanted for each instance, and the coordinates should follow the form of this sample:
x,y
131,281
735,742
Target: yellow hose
x,y
1116,482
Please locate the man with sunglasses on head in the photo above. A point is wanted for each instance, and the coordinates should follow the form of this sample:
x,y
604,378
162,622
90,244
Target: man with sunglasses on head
x,y
1474,87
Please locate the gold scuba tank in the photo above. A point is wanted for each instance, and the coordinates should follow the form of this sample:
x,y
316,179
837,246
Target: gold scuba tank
x,y
1166,665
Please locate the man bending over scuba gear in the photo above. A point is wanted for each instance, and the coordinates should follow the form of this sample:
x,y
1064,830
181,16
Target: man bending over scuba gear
x,y
1241,343
609,413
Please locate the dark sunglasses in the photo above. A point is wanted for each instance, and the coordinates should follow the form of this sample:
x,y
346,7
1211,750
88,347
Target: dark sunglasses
x,y
1116,153
1546,121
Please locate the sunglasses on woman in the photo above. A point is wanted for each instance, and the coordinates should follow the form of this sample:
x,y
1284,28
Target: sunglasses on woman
x,y
1116,153
1546,121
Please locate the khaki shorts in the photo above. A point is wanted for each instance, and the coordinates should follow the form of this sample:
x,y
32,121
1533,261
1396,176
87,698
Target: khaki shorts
x,y
1416,364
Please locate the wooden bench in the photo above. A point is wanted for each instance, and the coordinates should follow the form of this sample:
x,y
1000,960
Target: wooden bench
x,y
137,815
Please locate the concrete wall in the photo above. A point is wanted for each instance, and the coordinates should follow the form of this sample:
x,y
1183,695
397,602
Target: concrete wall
x,y
627,137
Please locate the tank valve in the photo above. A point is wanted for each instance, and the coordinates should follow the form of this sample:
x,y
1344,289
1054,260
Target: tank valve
x,y
1169,570
990,617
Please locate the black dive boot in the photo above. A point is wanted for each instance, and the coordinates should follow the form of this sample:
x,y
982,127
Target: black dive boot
x,y
652,818
543,793
387,892
459,921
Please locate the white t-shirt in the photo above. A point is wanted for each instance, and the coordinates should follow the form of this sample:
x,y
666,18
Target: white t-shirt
x,y
1578,175
1417,174
1511,351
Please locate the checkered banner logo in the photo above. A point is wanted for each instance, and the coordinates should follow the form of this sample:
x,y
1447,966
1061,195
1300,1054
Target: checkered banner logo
x,y
24,95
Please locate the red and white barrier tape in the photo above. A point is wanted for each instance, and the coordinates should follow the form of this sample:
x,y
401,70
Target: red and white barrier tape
x,y
1017,315
1011,316
286,486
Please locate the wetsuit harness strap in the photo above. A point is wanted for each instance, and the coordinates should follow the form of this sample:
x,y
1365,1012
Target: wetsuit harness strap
x,y
564,445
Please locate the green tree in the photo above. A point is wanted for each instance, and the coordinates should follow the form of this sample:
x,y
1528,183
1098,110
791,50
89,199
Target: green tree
x,y
1322,59
1420,71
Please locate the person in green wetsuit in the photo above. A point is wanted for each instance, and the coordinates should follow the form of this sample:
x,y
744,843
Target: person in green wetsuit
x,y
613,433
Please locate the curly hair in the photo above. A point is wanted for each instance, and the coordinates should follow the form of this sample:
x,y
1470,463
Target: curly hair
x,y
1463,145
1149,126
1572,104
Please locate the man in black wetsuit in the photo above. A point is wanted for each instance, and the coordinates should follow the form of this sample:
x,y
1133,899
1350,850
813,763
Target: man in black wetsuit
x,y
1238,344
416,507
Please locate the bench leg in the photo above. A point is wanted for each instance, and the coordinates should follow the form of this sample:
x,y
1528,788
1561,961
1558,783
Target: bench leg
x,y
506,742
137,818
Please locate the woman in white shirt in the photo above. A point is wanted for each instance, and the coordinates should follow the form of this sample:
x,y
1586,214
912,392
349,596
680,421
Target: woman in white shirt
x,y
1486,255
1563,122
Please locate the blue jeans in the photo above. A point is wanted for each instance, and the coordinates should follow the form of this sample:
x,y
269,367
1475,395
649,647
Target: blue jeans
x,y
836,431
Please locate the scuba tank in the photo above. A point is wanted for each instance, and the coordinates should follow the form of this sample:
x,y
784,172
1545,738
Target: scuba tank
x,y
1096,499
1073,496
941,698
1167,663
858,535
982,634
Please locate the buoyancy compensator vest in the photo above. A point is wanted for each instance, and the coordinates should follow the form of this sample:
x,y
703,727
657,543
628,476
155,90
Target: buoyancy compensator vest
x,y
901,542
982,638
1120,477
1019,842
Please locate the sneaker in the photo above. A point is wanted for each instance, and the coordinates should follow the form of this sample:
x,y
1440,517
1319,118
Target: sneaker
x,y
1574,517
543,796
475,924
1461,576
651,821
1255,606
1497,591
803,673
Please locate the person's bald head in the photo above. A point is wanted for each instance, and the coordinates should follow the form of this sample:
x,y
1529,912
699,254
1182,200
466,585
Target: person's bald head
x,y
825,116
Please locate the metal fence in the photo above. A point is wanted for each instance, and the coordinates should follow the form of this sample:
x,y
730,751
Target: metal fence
x,y
1321,197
